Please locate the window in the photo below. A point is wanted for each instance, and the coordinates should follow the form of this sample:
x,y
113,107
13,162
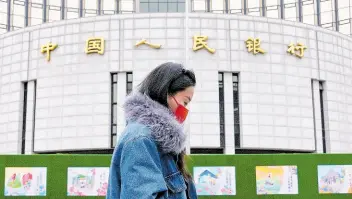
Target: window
x,y
200,6
3,16
235,6
72,9
53,10
218,6
34,83
113,109
222,109
114,100
24,118
291,10
162,5
321,95
272,8
35,12
253,7
17,14
90,8
327,14
308,12
109,7
236,110
127,6
129,82
344,17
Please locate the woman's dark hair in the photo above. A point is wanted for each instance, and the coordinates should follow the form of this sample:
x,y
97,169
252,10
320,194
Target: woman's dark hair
x,y
166,80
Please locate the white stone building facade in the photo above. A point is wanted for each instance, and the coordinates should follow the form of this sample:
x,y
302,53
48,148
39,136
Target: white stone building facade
x,y
243,102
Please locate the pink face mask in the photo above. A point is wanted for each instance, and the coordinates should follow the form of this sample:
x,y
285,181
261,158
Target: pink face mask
x,y
181,112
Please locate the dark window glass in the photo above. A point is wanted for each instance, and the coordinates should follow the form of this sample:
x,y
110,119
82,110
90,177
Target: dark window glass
x,y
143,7
236,111
129,77
113,108
181,7
222,110
24,116
114,130
321,92
129,83
153,7
114,140
172,7
114,115
162,5
114,93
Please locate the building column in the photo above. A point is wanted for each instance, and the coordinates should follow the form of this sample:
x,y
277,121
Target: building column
x,y
320,146
229,116
121,96
29,116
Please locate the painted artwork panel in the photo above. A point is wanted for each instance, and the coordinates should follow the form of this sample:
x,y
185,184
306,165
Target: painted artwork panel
x,y
87,181
215,180
25,181
335,179
272,180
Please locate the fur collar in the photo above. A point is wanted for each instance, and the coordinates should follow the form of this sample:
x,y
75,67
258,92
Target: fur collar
x,y
165,129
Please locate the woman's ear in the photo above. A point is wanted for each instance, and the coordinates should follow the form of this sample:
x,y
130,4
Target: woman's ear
x,y
171,103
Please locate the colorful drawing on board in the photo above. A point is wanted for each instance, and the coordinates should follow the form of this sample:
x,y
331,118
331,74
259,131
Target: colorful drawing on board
x,y
215,180
335,179
276,180
87,181
25,181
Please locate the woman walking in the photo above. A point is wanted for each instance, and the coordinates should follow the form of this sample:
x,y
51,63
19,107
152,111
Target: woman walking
x,y
148,161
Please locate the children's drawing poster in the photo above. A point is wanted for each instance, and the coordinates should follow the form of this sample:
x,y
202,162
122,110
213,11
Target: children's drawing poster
x,y
215,180
276,180
25,181
87,181
335,179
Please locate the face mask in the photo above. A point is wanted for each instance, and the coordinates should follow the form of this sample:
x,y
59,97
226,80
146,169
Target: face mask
x,y
181,112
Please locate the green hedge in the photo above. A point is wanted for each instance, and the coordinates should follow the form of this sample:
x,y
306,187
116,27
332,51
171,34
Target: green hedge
x,y
245,171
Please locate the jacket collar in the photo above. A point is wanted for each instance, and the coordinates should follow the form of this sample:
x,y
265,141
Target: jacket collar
x,y
165,129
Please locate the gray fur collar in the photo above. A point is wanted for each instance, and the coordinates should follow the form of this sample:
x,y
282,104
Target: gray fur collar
x,y
165,129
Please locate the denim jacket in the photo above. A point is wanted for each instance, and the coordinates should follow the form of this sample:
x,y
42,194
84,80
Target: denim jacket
x,y
144,163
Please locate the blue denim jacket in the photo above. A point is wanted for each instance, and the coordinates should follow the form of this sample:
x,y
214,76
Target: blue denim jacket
x,y
144,163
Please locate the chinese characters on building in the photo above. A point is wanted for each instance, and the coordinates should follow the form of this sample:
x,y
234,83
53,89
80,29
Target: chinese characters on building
x,y
199,42
297,50
253,46
144,41
47,48
97,45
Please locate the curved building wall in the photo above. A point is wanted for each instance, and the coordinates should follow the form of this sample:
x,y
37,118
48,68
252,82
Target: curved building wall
x,y
329,14
68,103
